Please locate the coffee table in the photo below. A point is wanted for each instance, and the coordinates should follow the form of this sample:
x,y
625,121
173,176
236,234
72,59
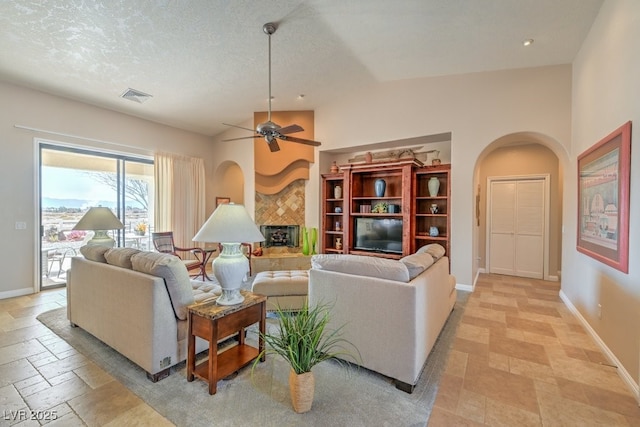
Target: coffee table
x,y
213,322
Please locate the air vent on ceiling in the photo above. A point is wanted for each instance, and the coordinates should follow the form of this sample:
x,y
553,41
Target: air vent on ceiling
x,y
135,95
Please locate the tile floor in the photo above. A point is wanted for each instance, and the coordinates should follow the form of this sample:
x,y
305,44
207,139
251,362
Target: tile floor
x,y
520,358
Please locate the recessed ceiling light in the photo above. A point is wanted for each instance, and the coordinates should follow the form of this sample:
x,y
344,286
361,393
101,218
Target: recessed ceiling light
x,y
527,42
301,96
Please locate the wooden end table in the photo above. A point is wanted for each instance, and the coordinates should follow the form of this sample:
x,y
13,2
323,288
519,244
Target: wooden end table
x,y
213,322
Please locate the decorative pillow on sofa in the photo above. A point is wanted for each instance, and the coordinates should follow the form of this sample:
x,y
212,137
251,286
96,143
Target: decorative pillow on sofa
x,y
417,263
175,275
361,265
436,250
120,257
94,252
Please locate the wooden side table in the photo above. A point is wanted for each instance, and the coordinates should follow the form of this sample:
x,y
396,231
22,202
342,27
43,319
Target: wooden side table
x,y
213,322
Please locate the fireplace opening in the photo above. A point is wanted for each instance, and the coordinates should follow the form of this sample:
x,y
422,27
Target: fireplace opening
x,y
280,235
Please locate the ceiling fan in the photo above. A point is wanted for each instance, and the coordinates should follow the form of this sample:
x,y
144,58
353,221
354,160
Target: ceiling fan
x,y
270,130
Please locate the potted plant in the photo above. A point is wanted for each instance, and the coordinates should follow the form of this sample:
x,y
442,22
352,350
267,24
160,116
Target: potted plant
x,y
303,341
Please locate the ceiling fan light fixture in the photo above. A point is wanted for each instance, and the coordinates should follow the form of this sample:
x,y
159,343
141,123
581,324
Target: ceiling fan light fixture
x,y
269,130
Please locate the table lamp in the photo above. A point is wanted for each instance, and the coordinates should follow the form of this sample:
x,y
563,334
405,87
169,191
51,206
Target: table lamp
x,y
230,225
99,219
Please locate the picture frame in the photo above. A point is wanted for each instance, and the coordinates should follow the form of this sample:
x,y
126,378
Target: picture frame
x,y
222,201
604,172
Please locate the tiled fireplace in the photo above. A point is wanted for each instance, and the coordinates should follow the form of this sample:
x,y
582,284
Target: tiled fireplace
x,y
281,213
280,235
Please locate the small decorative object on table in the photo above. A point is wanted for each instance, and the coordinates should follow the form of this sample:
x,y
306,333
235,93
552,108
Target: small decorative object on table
x,y
337,209
338,243
141,229
334,167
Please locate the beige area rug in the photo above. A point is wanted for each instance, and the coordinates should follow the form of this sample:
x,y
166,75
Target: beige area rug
x,y
353,397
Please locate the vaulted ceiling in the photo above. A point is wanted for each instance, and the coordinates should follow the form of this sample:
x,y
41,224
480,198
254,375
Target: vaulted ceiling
x,y
205,62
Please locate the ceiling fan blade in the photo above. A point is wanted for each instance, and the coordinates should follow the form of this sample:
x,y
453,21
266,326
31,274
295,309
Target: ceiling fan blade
x,y
300,140
243,137
273,145
290,129
239,127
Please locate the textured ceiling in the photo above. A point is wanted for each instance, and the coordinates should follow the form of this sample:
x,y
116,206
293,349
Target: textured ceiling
x,y
205,61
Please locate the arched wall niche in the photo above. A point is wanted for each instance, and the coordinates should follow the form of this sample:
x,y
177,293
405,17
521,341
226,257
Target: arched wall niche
x,y
517,154
229,182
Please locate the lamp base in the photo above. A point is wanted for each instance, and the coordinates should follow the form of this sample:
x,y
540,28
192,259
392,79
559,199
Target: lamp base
x,y
230,267
230,297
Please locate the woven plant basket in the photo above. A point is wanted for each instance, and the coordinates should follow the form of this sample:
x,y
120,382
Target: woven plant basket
x,y
301,387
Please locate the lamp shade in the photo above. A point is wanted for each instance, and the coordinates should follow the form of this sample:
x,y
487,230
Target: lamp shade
x,y
229,223
99,218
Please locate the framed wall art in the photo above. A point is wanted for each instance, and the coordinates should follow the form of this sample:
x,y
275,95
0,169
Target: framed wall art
x,y
603,199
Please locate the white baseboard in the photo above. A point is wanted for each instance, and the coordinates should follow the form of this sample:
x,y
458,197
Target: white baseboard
x,y
628,379
553,278
16,293
462,287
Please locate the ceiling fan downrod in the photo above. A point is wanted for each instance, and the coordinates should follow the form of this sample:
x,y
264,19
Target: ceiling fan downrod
x,y
269,28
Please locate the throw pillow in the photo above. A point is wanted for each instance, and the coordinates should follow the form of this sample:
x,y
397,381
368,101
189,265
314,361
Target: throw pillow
x,y
175,275
417,263
94,252
120,257
436,250
361,265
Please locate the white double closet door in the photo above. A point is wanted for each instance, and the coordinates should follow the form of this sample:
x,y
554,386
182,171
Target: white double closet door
x,y
517,243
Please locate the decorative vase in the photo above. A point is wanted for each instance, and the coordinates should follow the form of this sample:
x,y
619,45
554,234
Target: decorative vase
x,y
305,242
380,187
301,388
337,192
433,231
434,186
434,208
313,239
368,157
334,167
338,243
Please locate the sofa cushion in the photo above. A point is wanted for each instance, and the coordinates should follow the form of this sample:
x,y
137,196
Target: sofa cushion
x,y
175,275
361,265
436,250
94,252
120,257
417,263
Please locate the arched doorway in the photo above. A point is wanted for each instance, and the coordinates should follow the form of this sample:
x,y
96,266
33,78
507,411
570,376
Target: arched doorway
x,y
531,162
229,182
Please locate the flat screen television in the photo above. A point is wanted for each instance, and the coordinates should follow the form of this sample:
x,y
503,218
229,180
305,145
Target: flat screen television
x,y
378,234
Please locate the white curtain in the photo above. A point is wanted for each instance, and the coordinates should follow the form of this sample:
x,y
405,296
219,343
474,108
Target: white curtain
x,y
180,196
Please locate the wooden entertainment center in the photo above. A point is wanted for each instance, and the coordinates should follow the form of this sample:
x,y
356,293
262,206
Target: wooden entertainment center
x,y
416,215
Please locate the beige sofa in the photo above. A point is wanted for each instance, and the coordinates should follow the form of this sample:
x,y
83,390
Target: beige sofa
x,y
135,302
392,311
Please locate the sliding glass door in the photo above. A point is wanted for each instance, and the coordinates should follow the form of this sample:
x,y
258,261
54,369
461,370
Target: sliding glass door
x,y
71,181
